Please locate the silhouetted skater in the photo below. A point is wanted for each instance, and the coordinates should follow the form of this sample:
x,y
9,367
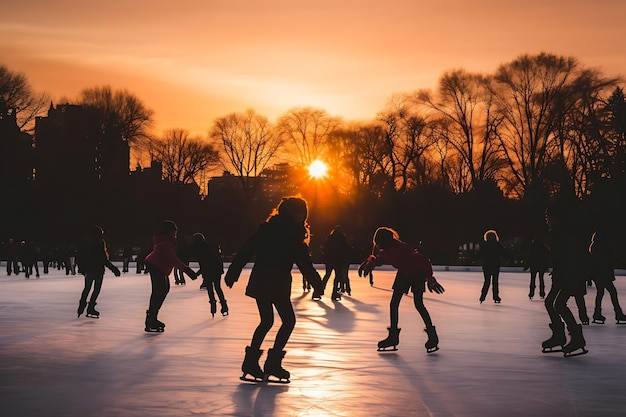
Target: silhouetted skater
x,y
414,271
279,242
568,259
160,263
337,259
603,273
491,251
209,257
92,258
537,261
11,250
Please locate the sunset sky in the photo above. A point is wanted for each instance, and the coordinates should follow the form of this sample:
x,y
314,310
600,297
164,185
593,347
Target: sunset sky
x,y
192,61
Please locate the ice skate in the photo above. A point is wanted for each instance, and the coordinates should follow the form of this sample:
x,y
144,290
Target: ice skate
x,y
497,300
391,342
556,342
224,309
598,317
274,372
92,312
620,318
250,367
576,346
152,324
433,340
81,307
213,308
336,296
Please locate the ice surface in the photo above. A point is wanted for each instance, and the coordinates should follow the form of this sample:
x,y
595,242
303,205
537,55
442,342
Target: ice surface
x,y
489,363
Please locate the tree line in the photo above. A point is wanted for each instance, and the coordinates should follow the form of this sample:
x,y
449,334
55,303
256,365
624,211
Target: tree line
x,y
478,151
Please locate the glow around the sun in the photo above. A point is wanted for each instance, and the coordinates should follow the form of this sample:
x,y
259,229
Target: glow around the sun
x,y
318,169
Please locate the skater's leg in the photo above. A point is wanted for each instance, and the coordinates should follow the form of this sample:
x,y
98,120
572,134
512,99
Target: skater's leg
x,y
599,296
560,305
495,285
418,301
88,282
266,314
613,293
97,281
486,283
160,288
542,285
549,304
582,309
285,311
394,305
329,270
533,277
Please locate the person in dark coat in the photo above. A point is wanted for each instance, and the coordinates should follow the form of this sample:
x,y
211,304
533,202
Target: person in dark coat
x,y
337,259
92,259
537,261
491,251
278,243
209,257
568,255
601,257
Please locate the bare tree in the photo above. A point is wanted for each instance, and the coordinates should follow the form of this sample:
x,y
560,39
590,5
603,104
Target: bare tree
x,y
119,111
248,144
468,124
185,158
307,130
16,95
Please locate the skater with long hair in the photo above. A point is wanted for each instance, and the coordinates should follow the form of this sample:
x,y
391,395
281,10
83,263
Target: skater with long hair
x,y
414,272
92,259
209,257
160,263
491,251
568,258
279,242
603,273
537,261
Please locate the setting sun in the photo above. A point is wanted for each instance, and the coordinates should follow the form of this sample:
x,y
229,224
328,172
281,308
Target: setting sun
x,y
318,169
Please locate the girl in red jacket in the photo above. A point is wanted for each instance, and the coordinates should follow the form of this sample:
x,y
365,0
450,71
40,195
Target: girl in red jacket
x,y
414,270
160,263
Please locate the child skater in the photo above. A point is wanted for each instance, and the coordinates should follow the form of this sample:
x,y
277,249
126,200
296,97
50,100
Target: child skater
x,y
209,257
279,242
92,258
160,263
414,270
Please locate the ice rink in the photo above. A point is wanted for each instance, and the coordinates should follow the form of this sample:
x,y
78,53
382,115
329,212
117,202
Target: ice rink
x,y
489,363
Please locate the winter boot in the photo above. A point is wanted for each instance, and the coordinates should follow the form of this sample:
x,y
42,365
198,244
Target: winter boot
x,y
82,304
92,312
391,341
433,340
557,339
598,317
576,342
224,309
152,324
250,366
273,367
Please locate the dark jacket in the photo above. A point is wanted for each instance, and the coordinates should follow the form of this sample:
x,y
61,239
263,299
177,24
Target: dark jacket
x,y
208,257
92,257
276,247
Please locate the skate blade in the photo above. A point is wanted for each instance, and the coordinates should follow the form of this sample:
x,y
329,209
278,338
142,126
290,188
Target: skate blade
x,y
92,316
154,330
277,380
431,350
316,298
551,350
225,313
598,321
251,378
577,352
387,349
620,322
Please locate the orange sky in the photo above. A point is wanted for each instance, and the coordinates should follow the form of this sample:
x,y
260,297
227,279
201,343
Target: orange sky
x,y
194,60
